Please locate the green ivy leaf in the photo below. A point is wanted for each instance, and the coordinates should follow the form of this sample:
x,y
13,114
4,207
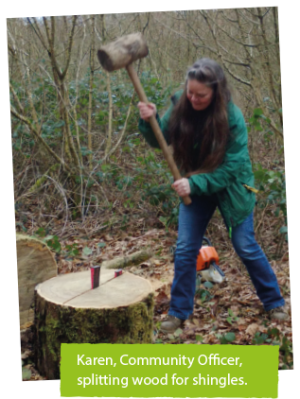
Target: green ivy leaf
x,y
87,251
26,374
199,338
53,243
230,336
258,112
178,332
41,232
208,284
283,230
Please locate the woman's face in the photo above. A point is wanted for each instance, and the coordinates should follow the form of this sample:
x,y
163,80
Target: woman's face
x,y
199,95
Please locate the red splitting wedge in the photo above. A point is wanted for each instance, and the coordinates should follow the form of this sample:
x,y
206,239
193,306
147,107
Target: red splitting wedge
x,y
95,276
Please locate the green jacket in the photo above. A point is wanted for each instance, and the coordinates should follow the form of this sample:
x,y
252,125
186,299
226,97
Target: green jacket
x,y
228,181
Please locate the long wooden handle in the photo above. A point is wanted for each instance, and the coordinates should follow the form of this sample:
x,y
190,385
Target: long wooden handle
x,y
156,129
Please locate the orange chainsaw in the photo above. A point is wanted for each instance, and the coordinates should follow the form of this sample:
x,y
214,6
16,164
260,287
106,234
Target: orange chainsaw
x,y
208,264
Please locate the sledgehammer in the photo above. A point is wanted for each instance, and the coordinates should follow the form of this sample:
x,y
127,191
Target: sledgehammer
x,y
121,54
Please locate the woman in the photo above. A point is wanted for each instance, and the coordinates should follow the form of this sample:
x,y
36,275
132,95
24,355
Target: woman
x,y
209,139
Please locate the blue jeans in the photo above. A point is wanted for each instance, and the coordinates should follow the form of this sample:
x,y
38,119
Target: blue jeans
x,y
193,220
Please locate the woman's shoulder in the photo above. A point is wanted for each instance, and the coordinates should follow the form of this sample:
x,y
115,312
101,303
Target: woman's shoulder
x,y
235,115
176,96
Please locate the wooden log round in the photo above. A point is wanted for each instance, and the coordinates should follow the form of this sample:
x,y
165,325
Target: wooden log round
x,y
67,310
122,52
36,263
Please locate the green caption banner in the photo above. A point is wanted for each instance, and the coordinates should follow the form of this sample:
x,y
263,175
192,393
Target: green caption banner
x,y
178,371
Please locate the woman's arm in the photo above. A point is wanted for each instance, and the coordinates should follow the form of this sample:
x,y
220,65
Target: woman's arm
x,y
146,130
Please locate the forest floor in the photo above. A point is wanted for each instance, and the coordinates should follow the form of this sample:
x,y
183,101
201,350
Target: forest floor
x,y
224,313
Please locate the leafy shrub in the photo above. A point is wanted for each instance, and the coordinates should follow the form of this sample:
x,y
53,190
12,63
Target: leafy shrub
x,y
270,182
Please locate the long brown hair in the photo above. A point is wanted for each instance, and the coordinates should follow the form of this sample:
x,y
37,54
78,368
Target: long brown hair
x,y
199,138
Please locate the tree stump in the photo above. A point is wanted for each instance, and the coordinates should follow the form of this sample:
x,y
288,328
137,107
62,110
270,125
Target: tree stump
x,y
36,263
67,310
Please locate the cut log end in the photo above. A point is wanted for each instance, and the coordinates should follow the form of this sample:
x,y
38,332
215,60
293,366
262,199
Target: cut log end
x,y
36,263
74,290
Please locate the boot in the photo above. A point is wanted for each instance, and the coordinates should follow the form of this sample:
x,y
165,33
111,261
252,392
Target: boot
x,y
278,313
170,324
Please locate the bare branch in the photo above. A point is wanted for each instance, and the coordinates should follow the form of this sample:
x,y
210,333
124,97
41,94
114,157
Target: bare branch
x,y
37,31
206,17
16,98
228,19
55,67
197,46
123,131
221,57
236,77
90,109
147,23
173,30
275,21
258,16
110,114
62,192
69,47
243,64
12,50
244,16
23,119
268,67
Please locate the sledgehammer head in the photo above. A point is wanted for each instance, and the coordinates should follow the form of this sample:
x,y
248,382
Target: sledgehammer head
x,y
122,52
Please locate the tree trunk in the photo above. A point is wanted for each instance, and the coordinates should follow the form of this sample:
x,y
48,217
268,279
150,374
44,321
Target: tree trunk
x,y
67,310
